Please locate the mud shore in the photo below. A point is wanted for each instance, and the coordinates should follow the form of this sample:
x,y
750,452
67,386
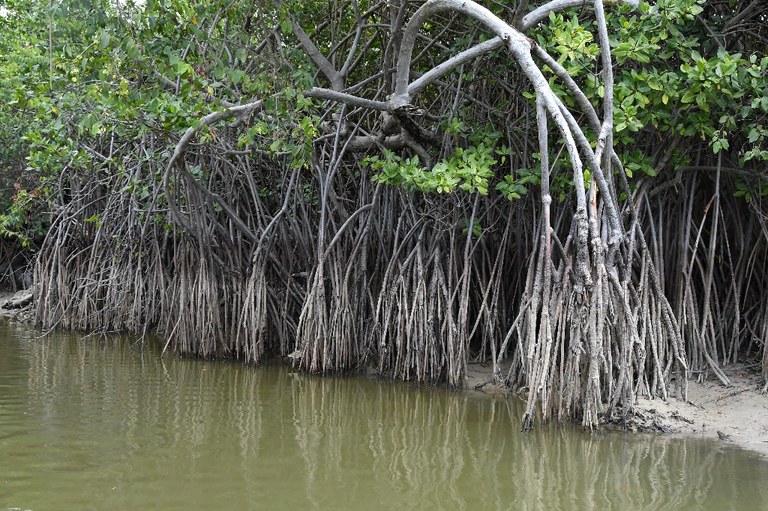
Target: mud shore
x,y
737,414
21,314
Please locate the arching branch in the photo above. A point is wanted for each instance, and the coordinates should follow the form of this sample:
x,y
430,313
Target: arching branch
x,y
541,13
518,45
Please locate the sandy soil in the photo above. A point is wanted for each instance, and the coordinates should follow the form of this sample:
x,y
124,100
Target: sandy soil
x,y
736,414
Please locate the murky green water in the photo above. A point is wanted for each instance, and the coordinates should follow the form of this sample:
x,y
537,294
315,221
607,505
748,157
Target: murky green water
x,y
94,425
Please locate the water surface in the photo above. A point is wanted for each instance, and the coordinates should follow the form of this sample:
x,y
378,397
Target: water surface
x,y
104,425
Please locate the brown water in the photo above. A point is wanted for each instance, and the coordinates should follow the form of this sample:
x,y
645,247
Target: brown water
x,y
88,424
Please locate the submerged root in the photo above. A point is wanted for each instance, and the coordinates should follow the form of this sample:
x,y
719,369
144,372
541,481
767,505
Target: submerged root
x,y
410,296
339,275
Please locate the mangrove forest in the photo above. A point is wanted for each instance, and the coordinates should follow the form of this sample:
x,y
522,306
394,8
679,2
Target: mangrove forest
x,y
573,193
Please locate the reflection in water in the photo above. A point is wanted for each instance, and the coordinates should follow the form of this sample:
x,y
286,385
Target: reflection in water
x,y
95,425
432,448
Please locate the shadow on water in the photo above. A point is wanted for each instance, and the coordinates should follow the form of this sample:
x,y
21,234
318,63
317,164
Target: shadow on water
x,y
95,425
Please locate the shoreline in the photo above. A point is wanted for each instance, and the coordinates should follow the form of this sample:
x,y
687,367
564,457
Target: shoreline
x,y
21,314
736,415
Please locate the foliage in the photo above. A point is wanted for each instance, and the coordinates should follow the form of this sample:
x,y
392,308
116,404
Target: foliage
x,y
99,79
468,169
23,220
673,83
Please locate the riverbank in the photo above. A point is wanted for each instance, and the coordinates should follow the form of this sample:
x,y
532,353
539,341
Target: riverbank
x,y
16,306
737,414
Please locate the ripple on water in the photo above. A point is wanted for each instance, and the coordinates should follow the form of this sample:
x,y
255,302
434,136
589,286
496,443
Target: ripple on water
x,y
93,425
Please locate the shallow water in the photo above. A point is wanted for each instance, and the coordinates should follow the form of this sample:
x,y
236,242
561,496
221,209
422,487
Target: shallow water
x,y
89,424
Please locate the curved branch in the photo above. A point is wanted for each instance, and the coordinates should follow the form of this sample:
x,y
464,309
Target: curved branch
x,y
452,63
345,68
351,219
207,120
578,95
481,49
541,13
404,91
186,139
520,48
349,99
325,67
430,8
594,123
605,136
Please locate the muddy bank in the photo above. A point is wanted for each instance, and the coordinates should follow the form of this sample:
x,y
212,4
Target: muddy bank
x,y
736,414
16,306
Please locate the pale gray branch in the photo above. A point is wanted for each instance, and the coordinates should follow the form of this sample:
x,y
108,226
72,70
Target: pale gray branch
x,y
353,49
181,146
325,67
605,137
207,120
449,65
541,13
349,99
519,47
